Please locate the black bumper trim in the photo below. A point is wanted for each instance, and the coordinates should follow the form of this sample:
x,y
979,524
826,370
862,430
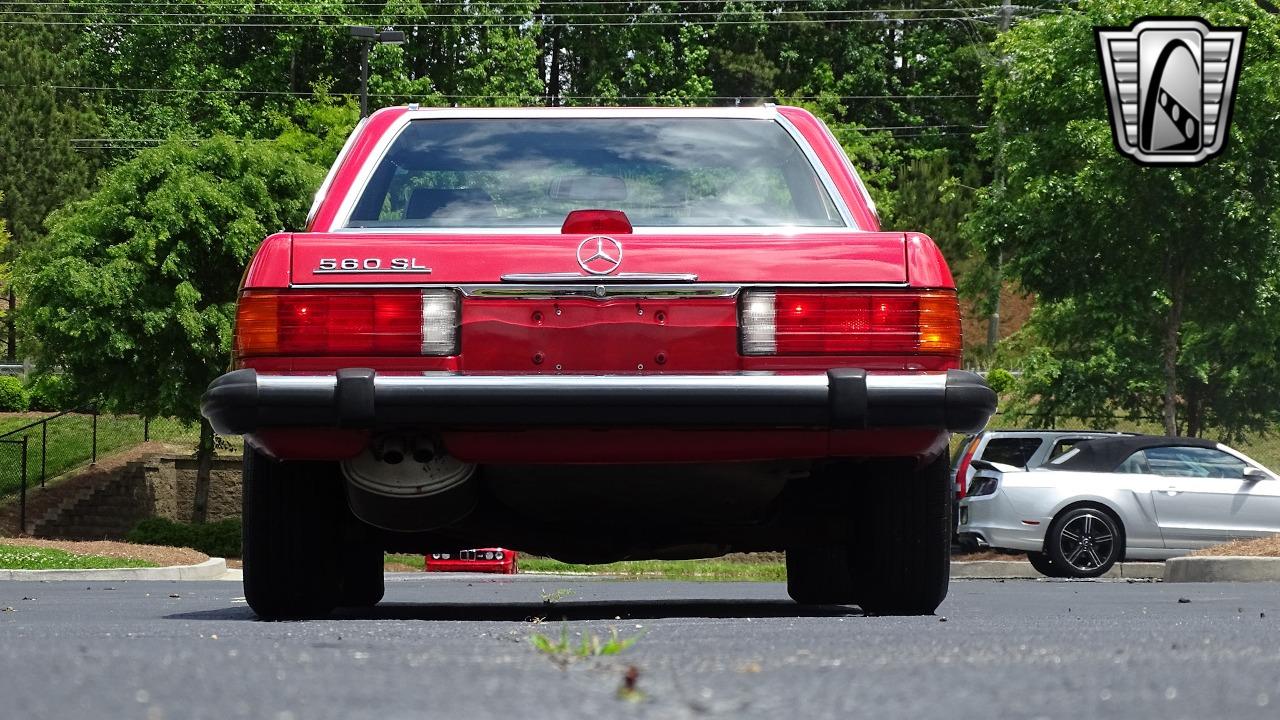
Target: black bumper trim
x,y
243,401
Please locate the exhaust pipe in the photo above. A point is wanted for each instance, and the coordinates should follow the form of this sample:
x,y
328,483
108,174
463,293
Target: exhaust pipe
x,y
424,451
389,450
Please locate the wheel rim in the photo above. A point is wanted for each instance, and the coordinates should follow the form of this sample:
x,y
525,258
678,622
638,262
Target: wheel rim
x,y
1087,541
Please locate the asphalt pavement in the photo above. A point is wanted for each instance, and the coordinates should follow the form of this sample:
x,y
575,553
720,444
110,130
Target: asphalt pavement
x,y
458,647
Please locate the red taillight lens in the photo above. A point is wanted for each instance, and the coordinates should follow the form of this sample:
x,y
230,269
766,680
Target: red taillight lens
x,y
386,322
802,322
962,471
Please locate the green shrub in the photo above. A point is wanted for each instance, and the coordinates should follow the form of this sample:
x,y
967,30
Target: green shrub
x,y
13,396
217,539
1001,380
48,393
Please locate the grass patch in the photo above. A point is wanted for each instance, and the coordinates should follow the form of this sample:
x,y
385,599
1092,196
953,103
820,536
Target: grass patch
x,y
70,443
32,558
708,570
414,561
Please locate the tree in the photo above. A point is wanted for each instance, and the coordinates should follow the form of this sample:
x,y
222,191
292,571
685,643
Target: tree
x,y
1157,287
133,292
39,167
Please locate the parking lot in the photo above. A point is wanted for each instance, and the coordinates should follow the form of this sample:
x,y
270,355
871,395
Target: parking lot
x,y
458,646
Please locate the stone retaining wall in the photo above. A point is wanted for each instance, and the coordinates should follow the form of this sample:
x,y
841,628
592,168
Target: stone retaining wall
x,y
155,486
171,481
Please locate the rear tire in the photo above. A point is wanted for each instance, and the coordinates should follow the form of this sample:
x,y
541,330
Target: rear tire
x,y
1044,565
899,556
362,581
293,518
819,576
1084,542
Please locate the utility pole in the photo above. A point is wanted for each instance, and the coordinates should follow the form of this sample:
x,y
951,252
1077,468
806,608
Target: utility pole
x,y
367,37
993,322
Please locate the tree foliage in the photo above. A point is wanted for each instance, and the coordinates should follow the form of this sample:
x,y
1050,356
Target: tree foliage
x,y
133,292
1158,287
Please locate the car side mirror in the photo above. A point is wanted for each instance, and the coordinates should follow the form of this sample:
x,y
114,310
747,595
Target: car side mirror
x,y
1253,474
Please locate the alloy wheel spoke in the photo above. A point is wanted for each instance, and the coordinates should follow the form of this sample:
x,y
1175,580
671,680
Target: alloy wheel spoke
x,y
1071,536
1075,554
1097,561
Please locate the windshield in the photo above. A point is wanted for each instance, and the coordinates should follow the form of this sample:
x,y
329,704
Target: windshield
x,y
662,172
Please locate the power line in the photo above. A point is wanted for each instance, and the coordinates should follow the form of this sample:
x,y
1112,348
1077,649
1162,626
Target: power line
x,y
510,96
646,11
231,4
523,25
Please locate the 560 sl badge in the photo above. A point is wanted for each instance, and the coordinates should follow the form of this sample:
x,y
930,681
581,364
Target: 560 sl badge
x,y
332,266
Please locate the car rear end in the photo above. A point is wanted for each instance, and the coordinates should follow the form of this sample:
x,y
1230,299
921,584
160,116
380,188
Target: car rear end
x,y
600,334
500,561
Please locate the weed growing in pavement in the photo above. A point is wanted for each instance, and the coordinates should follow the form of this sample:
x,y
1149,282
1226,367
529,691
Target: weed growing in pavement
x,y
591,645
550,598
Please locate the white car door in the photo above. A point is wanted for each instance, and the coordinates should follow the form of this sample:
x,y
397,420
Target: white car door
x,y
1206,498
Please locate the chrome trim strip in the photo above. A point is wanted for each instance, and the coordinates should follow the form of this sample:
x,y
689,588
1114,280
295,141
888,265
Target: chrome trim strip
x,y
848,164
770,230
542,289
323,192
828,183
769,112
599,291
597,279
906,383
782,384
920,382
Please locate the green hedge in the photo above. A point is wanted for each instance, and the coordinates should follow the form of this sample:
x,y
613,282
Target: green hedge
x,y
49,393
13,396
217,539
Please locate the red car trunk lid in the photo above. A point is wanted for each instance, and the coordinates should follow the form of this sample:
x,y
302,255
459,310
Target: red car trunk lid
x,y
437,258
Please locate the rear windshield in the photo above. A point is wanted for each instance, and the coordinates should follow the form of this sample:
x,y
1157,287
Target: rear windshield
x,y
662,172
1011,451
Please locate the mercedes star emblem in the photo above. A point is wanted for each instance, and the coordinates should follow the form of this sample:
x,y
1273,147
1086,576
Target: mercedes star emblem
x,y
599,255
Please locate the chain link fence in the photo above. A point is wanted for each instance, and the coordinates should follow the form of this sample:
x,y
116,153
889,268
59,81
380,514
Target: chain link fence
x,y
35,448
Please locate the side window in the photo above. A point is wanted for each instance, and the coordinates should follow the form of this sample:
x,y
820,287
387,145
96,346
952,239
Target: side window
x,y
1194,462
1063,445
1011,451
1135,463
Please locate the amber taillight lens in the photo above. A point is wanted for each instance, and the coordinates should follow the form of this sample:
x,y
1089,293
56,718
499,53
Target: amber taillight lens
x,y
839,322
346,322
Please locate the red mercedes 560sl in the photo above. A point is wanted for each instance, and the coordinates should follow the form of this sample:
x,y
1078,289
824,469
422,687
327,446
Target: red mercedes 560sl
x,y
597,334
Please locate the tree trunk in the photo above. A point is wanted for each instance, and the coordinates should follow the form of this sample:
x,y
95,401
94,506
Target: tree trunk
x,y
1172,342
553,71
204,467
12,352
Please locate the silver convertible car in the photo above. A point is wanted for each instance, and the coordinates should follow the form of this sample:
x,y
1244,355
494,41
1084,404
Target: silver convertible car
x,y
1135,497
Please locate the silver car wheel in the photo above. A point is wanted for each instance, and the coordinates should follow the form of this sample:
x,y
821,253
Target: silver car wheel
x,y
1087,541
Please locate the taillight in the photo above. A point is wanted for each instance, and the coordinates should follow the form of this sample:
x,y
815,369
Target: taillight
x,y
962,470
805,322
347,322
983,485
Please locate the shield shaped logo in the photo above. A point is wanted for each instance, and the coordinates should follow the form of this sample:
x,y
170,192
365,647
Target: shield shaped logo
x,y
1170,84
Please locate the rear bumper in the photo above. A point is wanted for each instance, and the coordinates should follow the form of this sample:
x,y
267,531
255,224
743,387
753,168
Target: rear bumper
x,y
244,401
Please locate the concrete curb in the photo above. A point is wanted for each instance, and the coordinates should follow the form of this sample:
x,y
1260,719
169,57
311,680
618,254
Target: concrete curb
x,y
1021,569
1222,569
211,569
